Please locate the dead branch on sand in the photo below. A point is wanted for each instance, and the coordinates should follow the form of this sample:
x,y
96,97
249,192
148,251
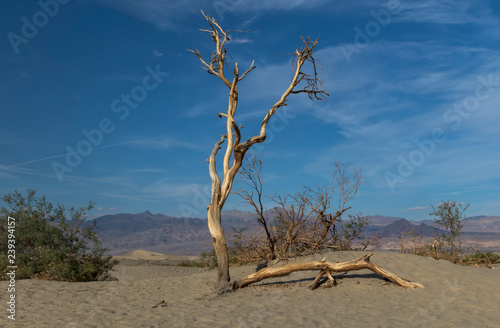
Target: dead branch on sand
x,y
326,268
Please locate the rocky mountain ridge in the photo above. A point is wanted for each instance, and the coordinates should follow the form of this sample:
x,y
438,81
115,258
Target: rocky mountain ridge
x,y
161,233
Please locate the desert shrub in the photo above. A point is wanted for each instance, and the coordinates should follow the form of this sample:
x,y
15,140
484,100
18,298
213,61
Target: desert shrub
x,y
447,245
478,259
209,259
52,242
193,264
301,224
249,246
412,242
351,230
451,217
296,235
487,259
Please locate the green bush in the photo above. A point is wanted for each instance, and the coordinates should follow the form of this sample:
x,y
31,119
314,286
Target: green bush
x,y
450,216
50,246
193,264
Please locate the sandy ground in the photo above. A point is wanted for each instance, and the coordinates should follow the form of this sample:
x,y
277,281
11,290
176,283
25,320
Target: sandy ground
x,y
455,296
141,256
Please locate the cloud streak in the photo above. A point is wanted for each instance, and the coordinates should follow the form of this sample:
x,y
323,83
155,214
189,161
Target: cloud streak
x,y
416,208
447,12
172,15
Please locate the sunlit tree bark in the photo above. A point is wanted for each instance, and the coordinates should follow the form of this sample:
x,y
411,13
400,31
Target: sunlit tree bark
x,y
235,148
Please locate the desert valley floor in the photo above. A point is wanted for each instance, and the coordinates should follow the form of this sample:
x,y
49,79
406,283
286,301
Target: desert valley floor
x,y
152,294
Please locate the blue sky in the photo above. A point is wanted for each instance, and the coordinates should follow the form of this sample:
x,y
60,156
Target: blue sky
x,y
101,101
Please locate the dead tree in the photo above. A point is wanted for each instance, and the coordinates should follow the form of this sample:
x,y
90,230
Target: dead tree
x,y
235,147
346,182
251,176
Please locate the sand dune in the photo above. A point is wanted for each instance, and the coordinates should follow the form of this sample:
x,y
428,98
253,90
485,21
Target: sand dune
x,y
454,296
144,255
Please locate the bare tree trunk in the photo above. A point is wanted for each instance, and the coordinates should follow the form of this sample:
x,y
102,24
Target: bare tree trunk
x,y
214,225
270,240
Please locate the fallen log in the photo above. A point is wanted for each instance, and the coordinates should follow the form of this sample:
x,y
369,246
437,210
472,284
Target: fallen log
x,y
325,268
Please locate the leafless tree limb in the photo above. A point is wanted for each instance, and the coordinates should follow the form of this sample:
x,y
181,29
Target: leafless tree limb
x,y
326,268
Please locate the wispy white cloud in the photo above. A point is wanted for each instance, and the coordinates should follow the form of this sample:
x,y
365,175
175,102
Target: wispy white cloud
x,y
166,188
165,142
475,189
447,12
242,40
100,209
357,99
451,12
160,142
156,53
263,5
206,107
416,208
171,15
15,171
11,170
164,14
379,130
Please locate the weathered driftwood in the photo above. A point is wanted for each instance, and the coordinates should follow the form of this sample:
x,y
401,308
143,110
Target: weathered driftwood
x,y
326,268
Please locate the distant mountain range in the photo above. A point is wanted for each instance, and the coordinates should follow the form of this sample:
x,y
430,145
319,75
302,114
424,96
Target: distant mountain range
x,y
161,233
